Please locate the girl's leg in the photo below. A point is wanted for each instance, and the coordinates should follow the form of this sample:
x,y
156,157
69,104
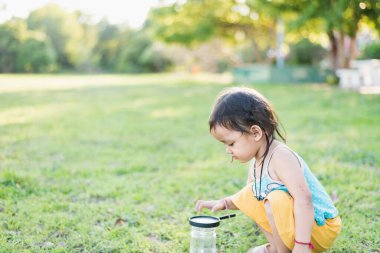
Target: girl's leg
x,y
277,242
271,248
281,201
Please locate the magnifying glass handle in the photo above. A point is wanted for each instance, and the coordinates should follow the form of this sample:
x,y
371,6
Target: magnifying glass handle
x,y
227,216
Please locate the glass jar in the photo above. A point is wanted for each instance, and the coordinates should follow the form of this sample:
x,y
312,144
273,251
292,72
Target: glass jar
x,y
203,233
203,240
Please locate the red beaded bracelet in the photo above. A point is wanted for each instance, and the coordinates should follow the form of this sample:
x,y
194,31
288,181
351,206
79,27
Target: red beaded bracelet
x,y
310,244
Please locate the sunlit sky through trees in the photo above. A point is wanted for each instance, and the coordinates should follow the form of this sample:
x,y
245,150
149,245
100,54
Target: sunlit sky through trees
x,y
131,12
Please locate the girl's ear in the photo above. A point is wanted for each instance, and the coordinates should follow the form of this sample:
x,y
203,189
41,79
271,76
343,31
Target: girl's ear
x,y
257,132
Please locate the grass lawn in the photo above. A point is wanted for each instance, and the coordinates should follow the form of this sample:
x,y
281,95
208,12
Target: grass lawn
x,y
116,163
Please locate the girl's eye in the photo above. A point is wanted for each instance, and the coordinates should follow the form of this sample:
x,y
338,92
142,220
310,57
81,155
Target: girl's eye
x,y
231,144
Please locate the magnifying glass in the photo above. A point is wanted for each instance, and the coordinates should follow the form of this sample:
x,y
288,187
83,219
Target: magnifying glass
x,y
205,221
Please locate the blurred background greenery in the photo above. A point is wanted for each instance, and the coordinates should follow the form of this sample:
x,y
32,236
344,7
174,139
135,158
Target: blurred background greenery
x,y
194,36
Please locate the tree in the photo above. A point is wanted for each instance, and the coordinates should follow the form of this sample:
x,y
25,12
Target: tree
x,y
22,50
35,54
340,19
106,48
11,35
194,22
304,52
122,49
68,36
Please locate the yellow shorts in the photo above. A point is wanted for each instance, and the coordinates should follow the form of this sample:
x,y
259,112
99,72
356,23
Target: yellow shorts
x,y
283,213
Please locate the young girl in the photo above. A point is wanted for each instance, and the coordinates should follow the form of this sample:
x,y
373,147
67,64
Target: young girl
x,y
282,195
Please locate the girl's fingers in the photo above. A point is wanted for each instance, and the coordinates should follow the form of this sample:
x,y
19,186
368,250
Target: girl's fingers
x,y
199,205
218,206
203,204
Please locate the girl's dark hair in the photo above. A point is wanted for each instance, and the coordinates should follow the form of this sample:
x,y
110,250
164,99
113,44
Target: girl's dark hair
x,y
240,108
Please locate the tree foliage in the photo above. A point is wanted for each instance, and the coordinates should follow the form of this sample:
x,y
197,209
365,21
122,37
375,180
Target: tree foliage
x,y
67,34
197,21
371,51
341,20
52,39
35,54
122,49
305,52
22,50
11,35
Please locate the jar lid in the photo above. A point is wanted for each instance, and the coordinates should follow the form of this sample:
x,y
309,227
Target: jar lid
x,y
204,221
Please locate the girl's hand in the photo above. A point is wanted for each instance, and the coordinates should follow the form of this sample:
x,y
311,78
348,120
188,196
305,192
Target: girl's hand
x,y
213,205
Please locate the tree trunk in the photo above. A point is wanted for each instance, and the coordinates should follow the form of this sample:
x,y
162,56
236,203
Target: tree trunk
x,y
341,51
333,50
352,50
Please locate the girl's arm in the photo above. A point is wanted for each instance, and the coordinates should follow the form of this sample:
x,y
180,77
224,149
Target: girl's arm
x,y
216,205
288,169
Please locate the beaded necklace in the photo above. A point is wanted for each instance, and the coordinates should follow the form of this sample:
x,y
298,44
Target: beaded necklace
x,y
259,196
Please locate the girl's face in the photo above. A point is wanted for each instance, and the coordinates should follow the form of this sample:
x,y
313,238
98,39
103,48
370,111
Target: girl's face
x,y
242,147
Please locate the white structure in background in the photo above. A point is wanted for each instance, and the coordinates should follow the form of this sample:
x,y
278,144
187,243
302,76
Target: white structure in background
x,y
363,76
